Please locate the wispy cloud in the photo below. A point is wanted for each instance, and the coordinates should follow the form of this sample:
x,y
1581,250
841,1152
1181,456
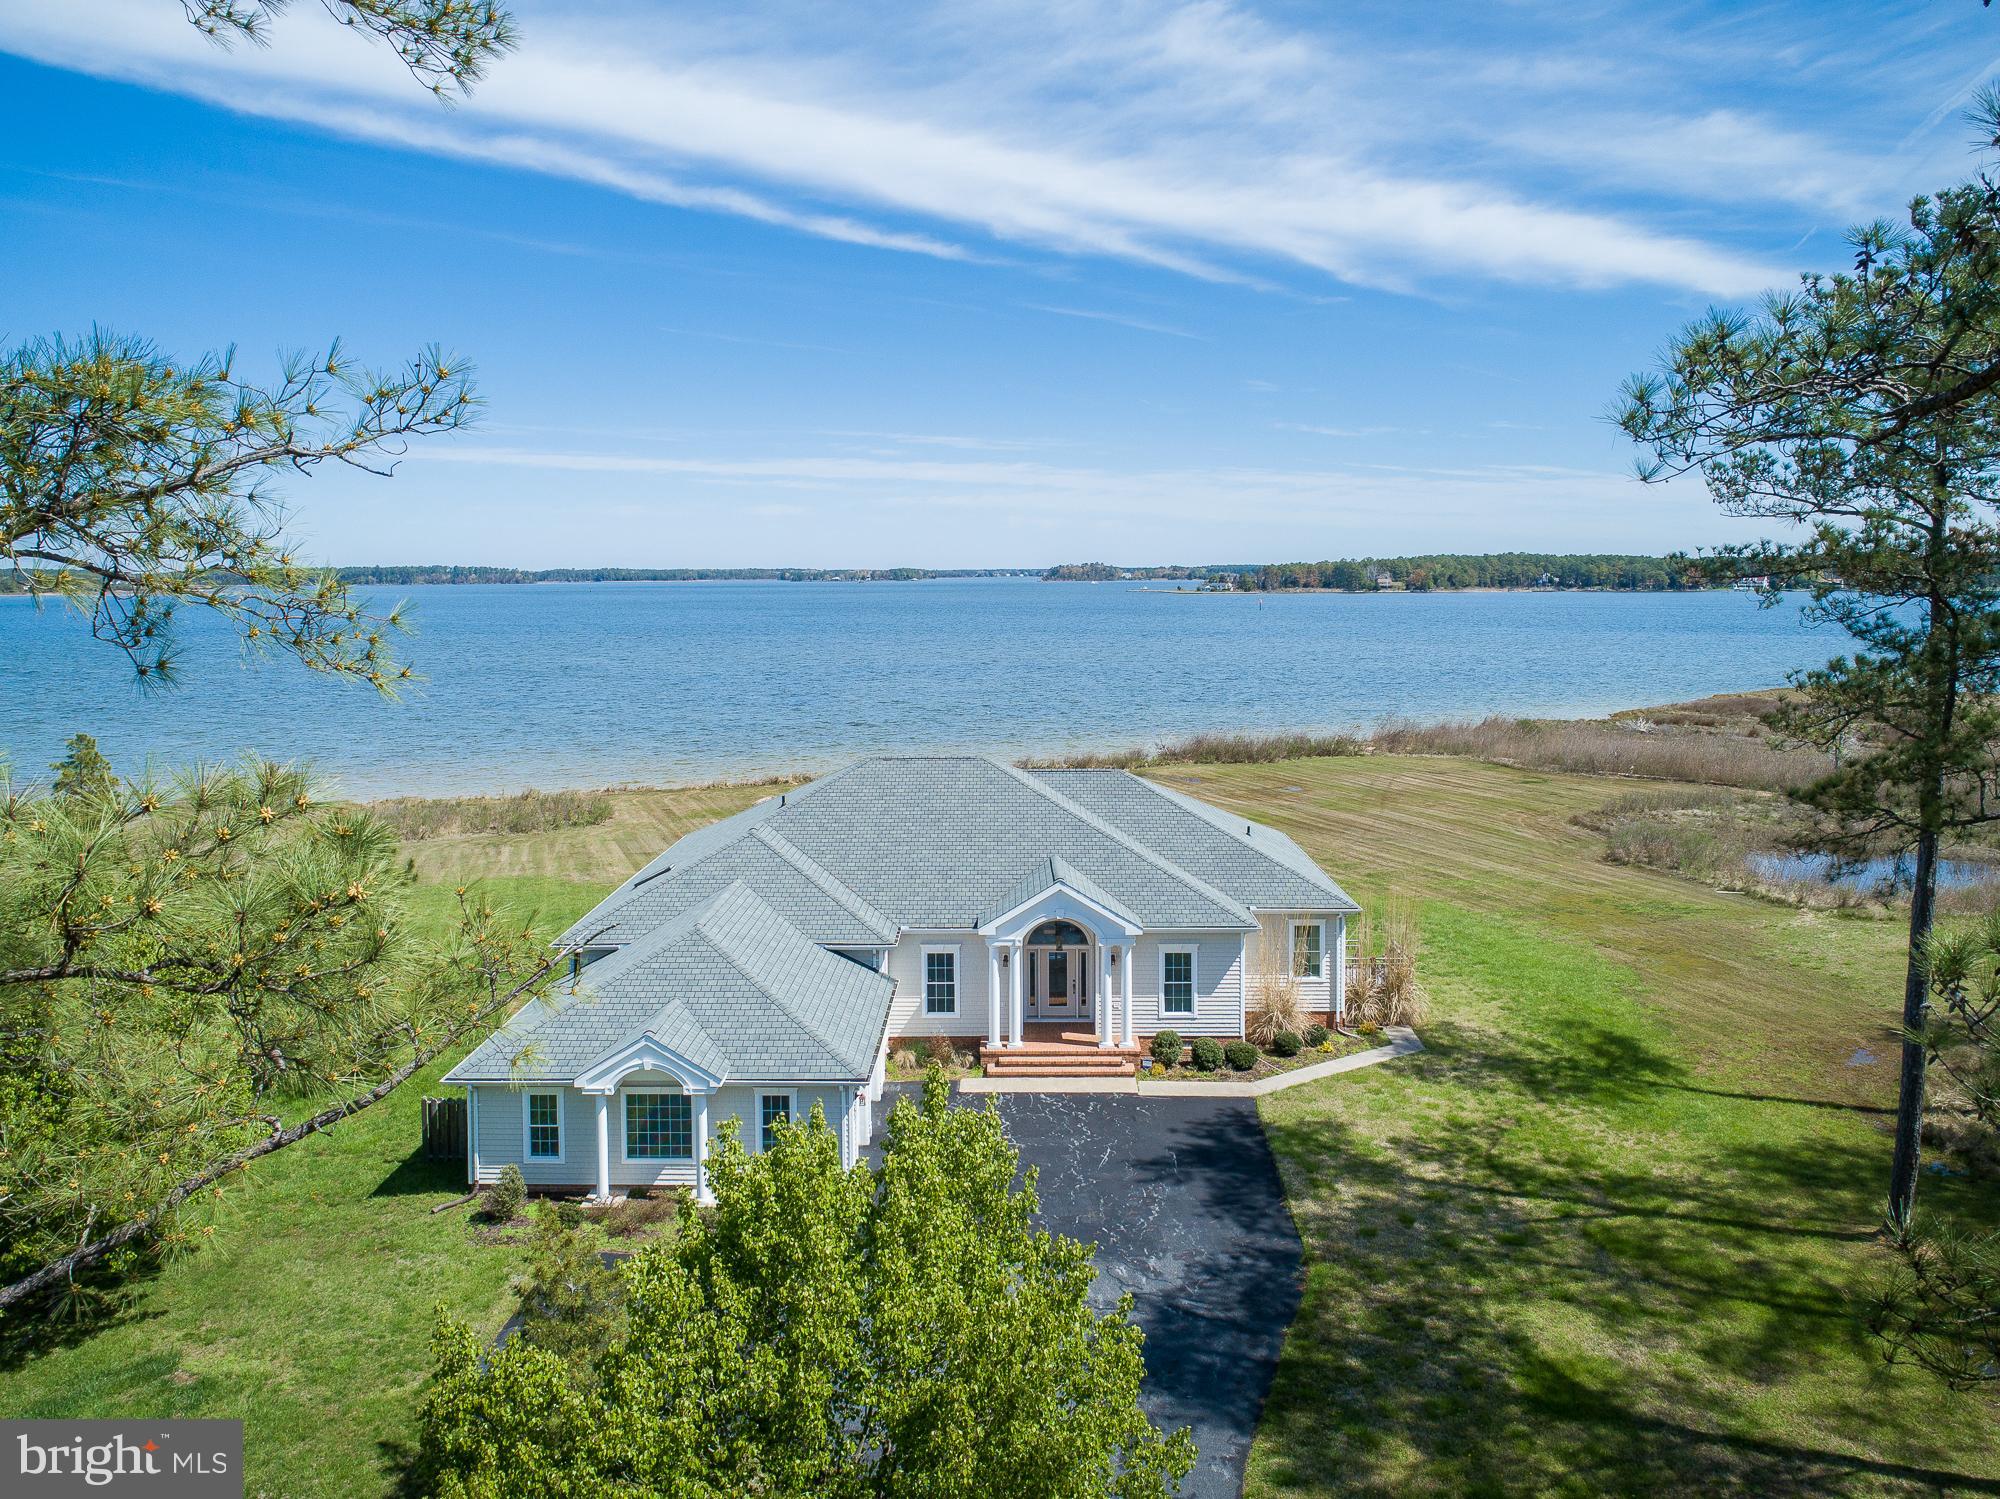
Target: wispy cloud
x,y
1319,431
1199,137
940,440
752,340
1123,320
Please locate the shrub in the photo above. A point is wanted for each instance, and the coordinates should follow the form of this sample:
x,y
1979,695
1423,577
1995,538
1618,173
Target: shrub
x,y
903,1059
1317,1035
1278,1009
1207,1052
1402,1000
1166,1048
505,1198
1240,1055
1286,1044
939,1048
1392,993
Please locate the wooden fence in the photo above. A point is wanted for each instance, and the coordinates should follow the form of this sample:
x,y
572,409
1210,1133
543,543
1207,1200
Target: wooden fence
x,y
444,1129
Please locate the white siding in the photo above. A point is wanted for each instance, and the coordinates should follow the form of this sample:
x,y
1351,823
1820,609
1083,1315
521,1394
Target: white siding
x,y
906,967
1271,950
1218,985
498,1140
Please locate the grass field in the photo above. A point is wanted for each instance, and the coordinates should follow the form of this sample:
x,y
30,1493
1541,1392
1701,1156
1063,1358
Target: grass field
x,y
1607,1234
1603,1236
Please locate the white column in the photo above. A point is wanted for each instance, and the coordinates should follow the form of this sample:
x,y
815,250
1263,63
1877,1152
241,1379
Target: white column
x,y
1103,987
603,1147
993,995
701,1147
1015,956
1337,971
1131,951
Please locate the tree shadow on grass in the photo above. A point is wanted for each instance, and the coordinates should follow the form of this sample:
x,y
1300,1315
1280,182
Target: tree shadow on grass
x,y
397,1459
416,1175
103,1299
1522,1278
1803,1103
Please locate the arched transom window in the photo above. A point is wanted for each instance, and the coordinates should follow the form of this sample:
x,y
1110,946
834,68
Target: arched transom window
x,y
1058,934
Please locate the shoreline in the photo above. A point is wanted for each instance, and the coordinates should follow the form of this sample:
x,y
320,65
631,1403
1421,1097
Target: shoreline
x,y
1156,750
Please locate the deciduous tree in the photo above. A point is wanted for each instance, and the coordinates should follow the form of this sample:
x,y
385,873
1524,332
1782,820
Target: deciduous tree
x,y
898,1330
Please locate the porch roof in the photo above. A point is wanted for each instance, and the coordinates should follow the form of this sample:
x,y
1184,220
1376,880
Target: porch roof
x,y
1048,873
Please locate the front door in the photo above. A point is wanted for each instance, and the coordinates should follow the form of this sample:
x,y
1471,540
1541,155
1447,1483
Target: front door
x,y
1058,987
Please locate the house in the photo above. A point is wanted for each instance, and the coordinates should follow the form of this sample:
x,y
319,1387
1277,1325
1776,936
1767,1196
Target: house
x,y
1052,919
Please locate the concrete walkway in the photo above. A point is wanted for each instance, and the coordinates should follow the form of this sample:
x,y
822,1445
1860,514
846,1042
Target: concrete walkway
x,y
1402,1042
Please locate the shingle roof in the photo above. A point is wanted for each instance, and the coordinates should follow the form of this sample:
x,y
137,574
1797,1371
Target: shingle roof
x,y
731,985
1049,871
917,841
1257,864
811,899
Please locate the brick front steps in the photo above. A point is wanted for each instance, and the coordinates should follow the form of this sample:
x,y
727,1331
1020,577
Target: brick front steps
x,y
1073,1056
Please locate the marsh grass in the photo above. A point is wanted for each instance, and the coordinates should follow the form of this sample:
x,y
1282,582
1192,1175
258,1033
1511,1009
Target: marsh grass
x,y
415,818
1210,749
1715,742
1719,836
1636,747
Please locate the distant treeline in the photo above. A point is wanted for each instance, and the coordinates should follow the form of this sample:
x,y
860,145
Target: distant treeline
x,y
404,576
1440,570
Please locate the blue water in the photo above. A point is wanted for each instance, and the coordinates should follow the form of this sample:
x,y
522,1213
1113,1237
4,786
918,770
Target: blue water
x,y
1891,875
596,684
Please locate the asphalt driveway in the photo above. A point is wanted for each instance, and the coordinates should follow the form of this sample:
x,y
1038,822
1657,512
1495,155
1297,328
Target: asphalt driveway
x,y
1181,1198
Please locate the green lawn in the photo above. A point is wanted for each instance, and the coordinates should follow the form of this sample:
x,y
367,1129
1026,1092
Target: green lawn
x,y
1602,1236
1607,1233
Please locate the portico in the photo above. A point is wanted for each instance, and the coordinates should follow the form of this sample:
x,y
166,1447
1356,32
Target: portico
x,y
1060,950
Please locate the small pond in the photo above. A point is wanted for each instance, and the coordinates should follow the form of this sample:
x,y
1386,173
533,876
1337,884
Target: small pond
x,y
1871,874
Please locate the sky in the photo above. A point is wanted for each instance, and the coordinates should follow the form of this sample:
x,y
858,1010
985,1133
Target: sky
x,y
985,283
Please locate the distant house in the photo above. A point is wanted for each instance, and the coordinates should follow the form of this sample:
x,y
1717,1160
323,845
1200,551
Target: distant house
x,y
1052,919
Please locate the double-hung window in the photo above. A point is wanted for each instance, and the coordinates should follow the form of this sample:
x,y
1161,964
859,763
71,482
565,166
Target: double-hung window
x,y
1308,950
544,1123
1177,981
659,1126
773,1109
940,981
